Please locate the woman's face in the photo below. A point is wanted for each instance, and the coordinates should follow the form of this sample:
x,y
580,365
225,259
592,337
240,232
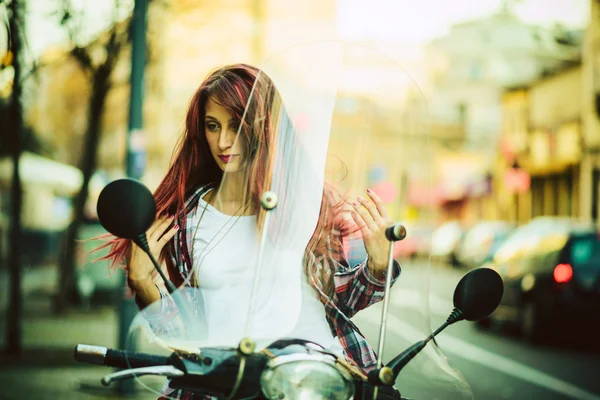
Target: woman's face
x,y
221,134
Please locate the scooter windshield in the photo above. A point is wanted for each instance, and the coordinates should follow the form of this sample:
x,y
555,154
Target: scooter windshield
x,y
286,241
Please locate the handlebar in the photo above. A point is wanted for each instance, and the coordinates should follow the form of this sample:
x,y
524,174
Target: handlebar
x,y
189,372
160,370
117,358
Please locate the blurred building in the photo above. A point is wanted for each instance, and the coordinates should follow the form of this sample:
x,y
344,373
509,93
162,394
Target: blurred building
x,y
590,119
542,147
470,68
477,59
549,162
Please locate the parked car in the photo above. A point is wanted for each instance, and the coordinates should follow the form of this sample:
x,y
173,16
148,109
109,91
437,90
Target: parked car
x,y
417,241
354,249
481,242
551,273
445,241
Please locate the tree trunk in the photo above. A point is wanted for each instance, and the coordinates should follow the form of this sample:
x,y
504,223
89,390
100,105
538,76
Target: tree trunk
x,y
68,288
14,343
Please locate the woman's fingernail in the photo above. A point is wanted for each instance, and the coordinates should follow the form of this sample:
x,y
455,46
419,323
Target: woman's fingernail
x,y
369,191
176,227
354,203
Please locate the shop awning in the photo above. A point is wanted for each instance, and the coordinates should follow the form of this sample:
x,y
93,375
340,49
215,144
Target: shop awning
x,y
456,176
64,179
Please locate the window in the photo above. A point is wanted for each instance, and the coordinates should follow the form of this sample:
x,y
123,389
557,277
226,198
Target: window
x,y
475,70
585,250
462,113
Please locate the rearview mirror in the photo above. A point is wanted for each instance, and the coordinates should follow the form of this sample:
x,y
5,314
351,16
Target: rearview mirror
x,y
478,293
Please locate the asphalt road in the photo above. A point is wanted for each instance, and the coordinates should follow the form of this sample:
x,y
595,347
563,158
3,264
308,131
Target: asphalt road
x,y
469,362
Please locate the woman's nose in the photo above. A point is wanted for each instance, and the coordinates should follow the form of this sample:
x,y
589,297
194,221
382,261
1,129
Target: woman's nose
x,y
226,139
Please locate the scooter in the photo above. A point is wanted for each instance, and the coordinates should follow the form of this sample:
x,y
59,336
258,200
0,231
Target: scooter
x,y
287,368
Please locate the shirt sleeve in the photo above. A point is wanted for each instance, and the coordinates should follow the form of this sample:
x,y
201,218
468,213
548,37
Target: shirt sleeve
x,y
167,317
357,288
162,315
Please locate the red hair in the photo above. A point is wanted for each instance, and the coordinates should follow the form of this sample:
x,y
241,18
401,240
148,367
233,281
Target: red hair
x,y
234,87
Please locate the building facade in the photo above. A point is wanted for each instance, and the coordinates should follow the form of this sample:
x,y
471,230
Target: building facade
x,y
470,69
590,102
543,146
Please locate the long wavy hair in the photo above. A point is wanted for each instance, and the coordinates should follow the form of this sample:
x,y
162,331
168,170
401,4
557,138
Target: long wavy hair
x,y
250,96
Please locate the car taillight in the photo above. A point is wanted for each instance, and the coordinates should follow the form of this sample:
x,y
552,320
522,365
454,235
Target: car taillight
x,y
563,273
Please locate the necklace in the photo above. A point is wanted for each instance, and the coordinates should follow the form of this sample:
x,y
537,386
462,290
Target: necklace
x,y
208,248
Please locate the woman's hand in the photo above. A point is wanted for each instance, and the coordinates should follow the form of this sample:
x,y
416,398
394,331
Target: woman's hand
x,y
372,218
140,267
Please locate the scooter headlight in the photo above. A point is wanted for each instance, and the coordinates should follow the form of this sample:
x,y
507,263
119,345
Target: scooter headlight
x,y
304,377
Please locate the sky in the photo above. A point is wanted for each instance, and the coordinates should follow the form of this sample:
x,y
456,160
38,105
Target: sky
x,y
412,22
418,21
43,29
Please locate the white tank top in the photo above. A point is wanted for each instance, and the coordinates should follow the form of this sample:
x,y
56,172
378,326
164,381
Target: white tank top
x,y
224,252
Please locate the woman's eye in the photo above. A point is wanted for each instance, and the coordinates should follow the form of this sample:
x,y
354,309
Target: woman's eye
x,y
213,127
234,126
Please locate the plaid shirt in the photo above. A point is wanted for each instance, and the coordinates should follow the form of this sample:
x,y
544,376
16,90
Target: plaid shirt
x,y
354,289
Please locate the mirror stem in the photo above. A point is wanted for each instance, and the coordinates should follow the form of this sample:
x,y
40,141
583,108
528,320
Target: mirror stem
x,y
142,242
404,358
454,317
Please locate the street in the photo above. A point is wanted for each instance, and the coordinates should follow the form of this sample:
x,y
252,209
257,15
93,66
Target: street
x,y
495,365
47,368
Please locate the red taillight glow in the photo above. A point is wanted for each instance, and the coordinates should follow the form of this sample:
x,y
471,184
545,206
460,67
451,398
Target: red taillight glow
x,y
563,273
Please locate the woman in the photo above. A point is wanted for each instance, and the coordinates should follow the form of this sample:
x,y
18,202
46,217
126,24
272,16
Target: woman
x,y
194,195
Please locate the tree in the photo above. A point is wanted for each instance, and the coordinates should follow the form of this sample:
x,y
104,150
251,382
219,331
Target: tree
x,y
12,133
98,60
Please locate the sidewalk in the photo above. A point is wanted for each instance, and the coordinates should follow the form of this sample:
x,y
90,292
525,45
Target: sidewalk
x,y
47,369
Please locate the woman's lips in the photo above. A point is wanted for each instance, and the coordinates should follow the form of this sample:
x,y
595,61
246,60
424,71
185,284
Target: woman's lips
x,y
227,158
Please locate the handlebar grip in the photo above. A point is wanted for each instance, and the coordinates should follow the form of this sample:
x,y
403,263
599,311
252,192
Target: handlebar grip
x,y
128,359
90,354
117,358
395,233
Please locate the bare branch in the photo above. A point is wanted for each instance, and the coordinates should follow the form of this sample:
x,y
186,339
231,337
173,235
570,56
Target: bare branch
x,y
83,58
79,53
26,48
34,70
115,14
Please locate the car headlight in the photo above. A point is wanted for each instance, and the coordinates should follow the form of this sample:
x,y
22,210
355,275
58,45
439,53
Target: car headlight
x,y
306,377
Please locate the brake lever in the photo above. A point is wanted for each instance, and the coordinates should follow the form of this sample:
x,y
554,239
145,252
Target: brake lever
x,y
163,370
